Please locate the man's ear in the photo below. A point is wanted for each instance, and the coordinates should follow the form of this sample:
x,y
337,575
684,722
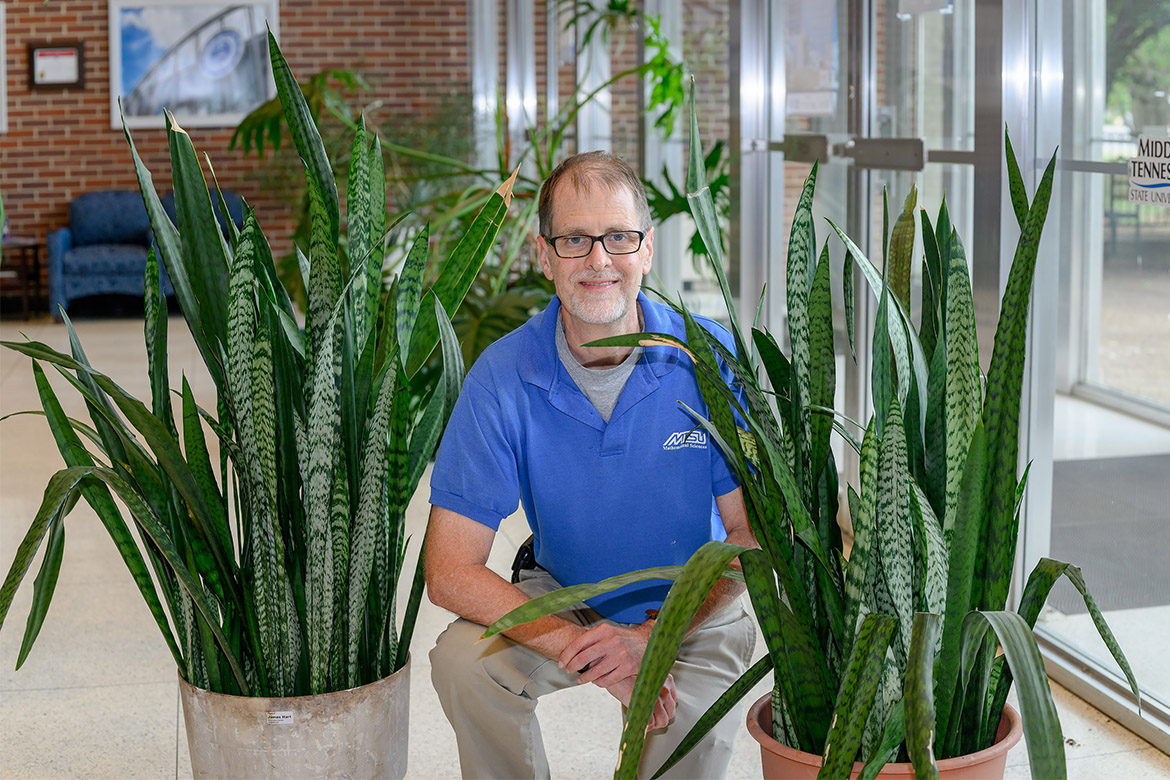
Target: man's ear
x,y
648,245
542,250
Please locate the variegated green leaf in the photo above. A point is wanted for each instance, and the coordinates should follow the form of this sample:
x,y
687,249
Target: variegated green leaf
x,y
855,698
357,217
895,534
410,289
324,433
928,538
1015,182
822,362
963,391
1041,722
901,256
377,235
1001,413
306,137
370,517
962,587
918,701
324,272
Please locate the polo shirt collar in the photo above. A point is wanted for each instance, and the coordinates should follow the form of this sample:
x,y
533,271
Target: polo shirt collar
x,y
538,364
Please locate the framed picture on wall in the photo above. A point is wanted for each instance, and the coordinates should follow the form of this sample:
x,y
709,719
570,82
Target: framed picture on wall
x,y
206,61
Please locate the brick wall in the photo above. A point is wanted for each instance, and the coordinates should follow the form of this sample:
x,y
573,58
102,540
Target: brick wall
x,y
60,143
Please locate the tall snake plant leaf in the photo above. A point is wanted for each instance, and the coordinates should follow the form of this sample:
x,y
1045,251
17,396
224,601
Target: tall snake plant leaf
x,y
410,291
45,582
202,242
306,137
801,267
882,372
108,512
895,534
324,272
907,348
250,387
722,706
702,206
371,514
804,683
377,224
155,331
1019,193
161,443
822,362
863,556
859,685
928,330
935,431
901,256
962,588
434,419
963,391
918,693
929,540
683,600
1040,582
199,459
357,217
166,236
847,297
458,272
324,435
1042,730
887,748
1001,412
557,600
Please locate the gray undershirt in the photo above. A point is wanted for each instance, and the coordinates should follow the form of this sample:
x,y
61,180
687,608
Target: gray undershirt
x,y
601,386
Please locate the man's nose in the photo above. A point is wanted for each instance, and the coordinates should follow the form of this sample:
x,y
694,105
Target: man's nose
x,y
598,259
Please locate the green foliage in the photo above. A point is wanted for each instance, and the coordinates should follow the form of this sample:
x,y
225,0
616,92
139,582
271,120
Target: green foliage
x,y
277,573
891,645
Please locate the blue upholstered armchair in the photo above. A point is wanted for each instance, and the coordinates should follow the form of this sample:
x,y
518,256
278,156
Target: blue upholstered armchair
x,y
104,249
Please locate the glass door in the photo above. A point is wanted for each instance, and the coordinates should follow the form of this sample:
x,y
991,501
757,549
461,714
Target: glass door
x,y
1110,398
880,94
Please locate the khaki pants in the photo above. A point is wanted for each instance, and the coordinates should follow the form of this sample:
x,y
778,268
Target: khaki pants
x,y
489,689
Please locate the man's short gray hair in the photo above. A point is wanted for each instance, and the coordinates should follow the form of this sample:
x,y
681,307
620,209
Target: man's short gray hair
x,y
591,168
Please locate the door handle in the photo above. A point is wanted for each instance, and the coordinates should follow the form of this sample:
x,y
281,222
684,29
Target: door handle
x,y
891,154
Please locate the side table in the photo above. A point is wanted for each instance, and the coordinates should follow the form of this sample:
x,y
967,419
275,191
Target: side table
x,y
28,272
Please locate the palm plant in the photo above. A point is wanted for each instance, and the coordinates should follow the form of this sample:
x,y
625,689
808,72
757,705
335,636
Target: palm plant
x,y
885,652
276,573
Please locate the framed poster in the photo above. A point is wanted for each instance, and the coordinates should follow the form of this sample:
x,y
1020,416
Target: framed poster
x,y
206,61
56,65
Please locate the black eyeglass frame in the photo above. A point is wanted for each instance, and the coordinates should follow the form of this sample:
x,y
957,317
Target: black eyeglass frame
x,y
552,241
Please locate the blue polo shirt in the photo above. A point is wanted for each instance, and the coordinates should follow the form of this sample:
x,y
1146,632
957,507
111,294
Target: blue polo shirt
x,y
601,499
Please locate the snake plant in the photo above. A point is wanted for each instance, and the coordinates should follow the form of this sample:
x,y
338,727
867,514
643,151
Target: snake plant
x,y
885,652
272,569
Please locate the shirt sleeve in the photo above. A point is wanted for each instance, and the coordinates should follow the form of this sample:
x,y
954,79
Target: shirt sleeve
x,y
475,471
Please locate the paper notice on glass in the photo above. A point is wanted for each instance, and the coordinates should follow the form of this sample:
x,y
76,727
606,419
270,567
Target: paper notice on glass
x,y
810,57
1149,172
55,66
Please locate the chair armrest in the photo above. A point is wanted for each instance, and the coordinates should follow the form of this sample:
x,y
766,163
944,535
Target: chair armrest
x,y
58,243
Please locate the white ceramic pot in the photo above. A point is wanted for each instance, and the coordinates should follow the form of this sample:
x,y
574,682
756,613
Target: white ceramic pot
x,y
358,733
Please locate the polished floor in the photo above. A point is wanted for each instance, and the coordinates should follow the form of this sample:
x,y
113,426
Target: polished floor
x,y
97,697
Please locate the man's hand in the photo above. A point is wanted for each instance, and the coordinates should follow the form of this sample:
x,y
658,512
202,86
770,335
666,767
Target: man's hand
x,y
664,708
606,654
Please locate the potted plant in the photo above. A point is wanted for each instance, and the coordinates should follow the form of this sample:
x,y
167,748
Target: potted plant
x,y
883,653
271,574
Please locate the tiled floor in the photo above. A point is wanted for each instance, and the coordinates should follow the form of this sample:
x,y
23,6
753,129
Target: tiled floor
x,y
97,696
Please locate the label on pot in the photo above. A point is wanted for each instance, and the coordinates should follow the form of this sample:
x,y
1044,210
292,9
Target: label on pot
x,y
281,717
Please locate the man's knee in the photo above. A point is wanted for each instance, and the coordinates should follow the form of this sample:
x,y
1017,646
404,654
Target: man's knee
x,y
455,657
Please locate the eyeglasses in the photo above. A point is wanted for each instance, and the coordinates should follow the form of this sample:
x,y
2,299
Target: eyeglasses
x,y
619,242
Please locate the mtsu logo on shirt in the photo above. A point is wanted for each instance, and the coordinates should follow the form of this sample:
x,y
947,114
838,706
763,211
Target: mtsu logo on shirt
x,y
694,439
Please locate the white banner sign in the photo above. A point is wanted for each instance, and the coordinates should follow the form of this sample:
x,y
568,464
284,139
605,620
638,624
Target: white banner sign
x,y
1149,172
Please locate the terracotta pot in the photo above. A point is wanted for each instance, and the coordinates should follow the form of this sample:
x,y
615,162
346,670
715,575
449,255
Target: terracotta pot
x,y
781,762
360,733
